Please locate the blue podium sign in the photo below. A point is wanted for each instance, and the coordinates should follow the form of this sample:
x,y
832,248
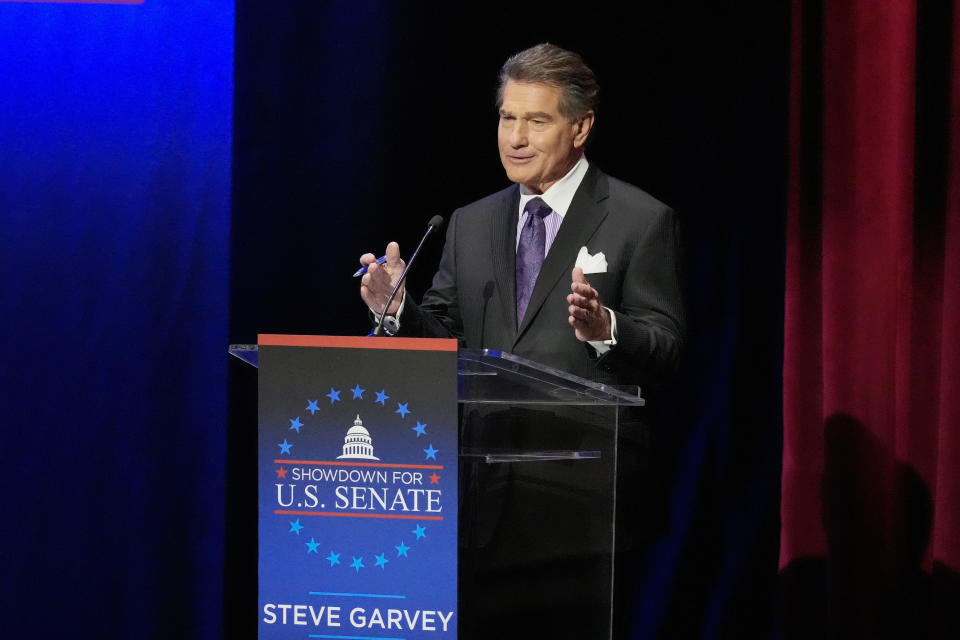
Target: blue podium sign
x,y
357,488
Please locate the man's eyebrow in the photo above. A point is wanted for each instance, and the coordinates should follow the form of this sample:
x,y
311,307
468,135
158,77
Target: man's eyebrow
x,y
529,115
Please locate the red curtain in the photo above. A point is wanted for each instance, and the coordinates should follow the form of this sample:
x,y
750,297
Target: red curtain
x,y
870,541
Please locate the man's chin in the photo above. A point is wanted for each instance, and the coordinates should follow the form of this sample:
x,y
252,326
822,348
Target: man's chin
x,y
517,175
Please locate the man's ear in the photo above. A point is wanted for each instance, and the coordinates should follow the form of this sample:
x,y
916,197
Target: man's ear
x,y
583,127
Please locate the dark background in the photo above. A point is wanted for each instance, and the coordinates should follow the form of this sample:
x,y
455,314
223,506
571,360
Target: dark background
x,y
179,175
354,127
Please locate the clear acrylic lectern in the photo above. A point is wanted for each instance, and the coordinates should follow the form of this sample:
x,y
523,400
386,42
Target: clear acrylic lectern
x,y
538,497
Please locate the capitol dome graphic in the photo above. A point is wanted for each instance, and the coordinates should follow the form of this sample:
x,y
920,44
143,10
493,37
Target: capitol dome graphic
x,y
357,445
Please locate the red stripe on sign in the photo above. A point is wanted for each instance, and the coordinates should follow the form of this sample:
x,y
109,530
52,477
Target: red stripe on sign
x,y
281,512
359,464
358,342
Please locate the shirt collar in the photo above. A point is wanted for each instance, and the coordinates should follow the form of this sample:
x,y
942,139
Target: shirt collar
x,y
560,194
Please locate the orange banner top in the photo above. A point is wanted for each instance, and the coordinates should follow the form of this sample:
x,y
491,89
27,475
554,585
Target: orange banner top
x,y
358,342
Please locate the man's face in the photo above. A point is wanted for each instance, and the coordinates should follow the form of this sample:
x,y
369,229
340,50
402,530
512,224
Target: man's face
x,y
538,146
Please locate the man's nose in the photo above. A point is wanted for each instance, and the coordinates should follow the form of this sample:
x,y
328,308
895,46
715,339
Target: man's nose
x,y
518,136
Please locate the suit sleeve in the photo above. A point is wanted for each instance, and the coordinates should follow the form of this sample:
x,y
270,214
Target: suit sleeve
x,y
438,314
650,318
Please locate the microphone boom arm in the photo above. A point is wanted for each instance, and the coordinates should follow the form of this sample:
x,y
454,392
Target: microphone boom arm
x,y
435,223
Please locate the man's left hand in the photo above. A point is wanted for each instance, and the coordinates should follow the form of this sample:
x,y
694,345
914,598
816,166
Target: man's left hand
x,y
590,321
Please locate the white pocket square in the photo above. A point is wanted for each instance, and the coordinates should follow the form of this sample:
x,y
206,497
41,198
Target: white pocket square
x,y
596,263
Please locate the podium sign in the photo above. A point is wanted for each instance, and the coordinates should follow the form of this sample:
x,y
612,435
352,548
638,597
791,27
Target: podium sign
x,y
357,487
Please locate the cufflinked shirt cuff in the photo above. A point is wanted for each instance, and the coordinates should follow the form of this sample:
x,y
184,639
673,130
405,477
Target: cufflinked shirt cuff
x,y
375,315
602,346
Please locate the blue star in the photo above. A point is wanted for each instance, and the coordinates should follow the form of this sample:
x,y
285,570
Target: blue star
x,y
334,558
431,452
295,527
402,409
420,532
382,560
357,392
295,424
312,407
334,395
357,564
421,428
284,446
382,397
402,550
312,546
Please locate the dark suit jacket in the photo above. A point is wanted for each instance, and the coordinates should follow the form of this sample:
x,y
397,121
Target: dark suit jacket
x,y
473,299
473,293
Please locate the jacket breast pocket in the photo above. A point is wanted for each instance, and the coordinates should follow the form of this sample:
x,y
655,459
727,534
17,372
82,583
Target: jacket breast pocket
x,y
605,284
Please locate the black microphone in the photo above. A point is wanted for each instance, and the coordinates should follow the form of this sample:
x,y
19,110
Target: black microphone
x,y
435,223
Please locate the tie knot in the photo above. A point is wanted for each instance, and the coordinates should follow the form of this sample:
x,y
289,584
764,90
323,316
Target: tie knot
x,y
537,207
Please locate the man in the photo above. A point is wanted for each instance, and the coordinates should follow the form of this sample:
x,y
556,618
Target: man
x,y
513,277
577,270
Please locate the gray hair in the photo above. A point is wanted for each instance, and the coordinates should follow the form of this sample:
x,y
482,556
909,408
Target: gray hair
x,y
550,65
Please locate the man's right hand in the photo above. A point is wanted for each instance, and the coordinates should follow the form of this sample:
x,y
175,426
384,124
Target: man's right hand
x,y
379,280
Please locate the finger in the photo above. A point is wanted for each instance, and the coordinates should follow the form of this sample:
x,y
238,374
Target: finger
x,y
371,286
580,301
376,278
584,315
393,254
367,258
581,327
587,296
378,272
372,299
578,275
583,289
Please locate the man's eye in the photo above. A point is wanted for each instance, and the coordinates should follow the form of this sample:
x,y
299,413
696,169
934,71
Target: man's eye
x,y
539,123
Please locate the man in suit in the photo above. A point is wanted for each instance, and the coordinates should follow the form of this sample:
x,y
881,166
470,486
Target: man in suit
x,y
621,322
577,270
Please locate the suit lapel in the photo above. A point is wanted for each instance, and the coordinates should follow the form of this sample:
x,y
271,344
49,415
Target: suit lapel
x,y
504,251
587,211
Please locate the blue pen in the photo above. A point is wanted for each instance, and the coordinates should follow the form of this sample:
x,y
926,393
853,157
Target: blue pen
x,y
363,270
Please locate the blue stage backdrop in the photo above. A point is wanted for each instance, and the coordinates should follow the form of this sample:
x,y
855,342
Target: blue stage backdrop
x,y
115,142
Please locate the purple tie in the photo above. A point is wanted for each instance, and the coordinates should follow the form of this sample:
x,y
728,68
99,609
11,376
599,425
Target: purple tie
x,y
530,250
